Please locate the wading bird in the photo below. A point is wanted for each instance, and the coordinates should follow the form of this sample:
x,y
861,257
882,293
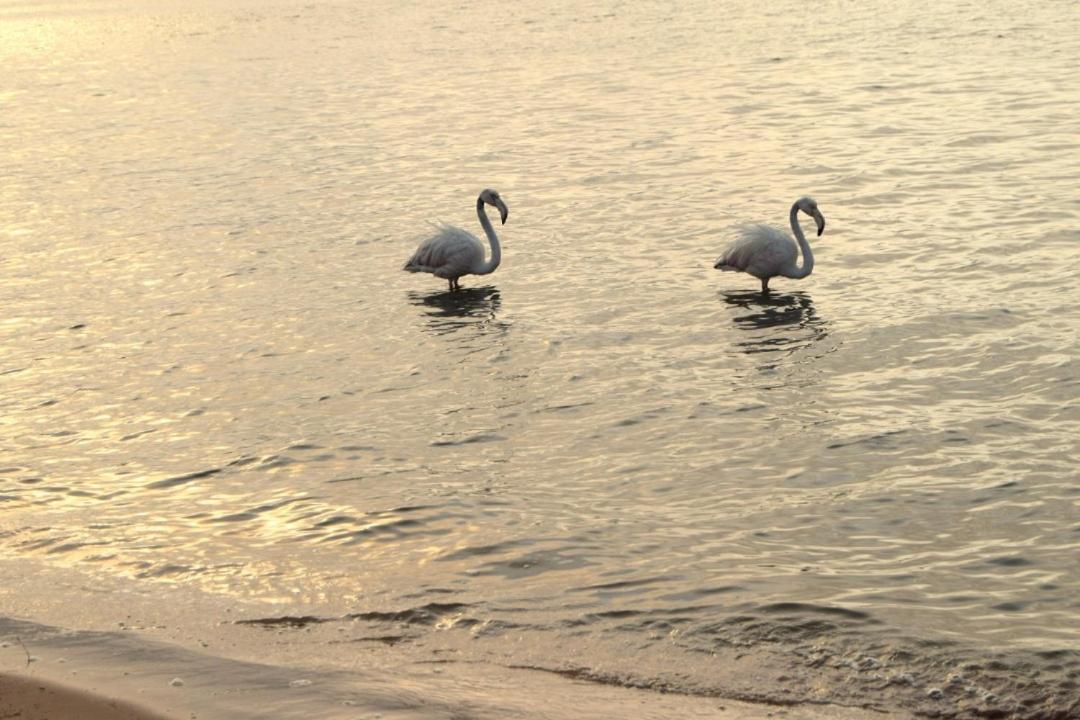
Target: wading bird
x,y
765,251
453,252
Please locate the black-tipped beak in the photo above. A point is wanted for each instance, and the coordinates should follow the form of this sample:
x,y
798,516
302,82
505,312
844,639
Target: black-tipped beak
x,y
820,220
503,213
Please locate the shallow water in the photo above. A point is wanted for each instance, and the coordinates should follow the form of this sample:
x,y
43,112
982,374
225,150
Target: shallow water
x,y
606,458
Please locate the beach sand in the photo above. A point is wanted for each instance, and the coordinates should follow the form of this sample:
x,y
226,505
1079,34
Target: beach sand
x,y
116,654
140,656
51,673
31,698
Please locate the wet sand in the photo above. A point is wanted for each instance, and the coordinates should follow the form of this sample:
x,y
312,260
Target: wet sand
x,y
529,695
31,698
181,661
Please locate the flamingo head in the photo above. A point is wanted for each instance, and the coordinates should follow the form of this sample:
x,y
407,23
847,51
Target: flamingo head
x,y
491,197
809,206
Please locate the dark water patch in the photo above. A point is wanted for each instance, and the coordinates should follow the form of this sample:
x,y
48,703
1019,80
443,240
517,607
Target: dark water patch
x,y
241,462
132,436
390,640
432,591
182,479
350,478
608,678
472,439
566,407
38,544
1009,561
625,584
235,517
535,563
336,520
284,621
702,592
428,614
614,615
276,461
411,508
385,532
256,511
885,440
481,550
807,608
70,546
1010,606
166,570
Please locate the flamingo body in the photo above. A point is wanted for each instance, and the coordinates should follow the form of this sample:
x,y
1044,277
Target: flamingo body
x,y
453,252
763,251
766,251
449,253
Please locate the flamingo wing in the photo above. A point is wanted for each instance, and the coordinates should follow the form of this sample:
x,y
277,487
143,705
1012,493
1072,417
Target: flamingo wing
x,y
450,253
761,250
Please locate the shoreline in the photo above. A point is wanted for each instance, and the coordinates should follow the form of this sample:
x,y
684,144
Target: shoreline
x,y
88,675
129,651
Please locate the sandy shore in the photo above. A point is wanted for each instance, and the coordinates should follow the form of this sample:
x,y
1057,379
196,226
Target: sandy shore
x,y
123,655
27,697
31,698
109,677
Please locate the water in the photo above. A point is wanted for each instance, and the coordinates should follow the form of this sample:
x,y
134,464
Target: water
x,y
606,459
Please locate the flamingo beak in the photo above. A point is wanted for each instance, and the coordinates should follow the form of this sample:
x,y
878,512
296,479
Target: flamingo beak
x,y
503,211
820,220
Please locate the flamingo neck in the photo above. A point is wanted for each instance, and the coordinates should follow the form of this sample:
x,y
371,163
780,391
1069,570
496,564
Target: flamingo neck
x,y
808,256
496,251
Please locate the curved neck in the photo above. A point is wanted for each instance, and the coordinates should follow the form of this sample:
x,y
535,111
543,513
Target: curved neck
x,y
808,256
496,251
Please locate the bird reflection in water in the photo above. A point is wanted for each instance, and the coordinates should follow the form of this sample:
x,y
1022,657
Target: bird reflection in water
x,y
781,322
475,307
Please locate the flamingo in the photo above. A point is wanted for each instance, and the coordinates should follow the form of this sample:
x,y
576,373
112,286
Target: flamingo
x,y
453,252
765,251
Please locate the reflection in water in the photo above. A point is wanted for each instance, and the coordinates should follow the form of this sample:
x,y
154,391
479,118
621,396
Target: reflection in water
x,y
449,311
777,321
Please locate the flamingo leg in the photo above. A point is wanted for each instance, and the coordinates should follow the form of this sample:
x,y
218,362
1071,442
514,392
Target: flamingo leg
x,y
765,286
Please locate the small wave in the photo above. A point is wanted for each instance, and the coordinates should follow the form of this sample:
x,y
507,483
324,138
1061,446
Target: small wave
x,y
182,479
